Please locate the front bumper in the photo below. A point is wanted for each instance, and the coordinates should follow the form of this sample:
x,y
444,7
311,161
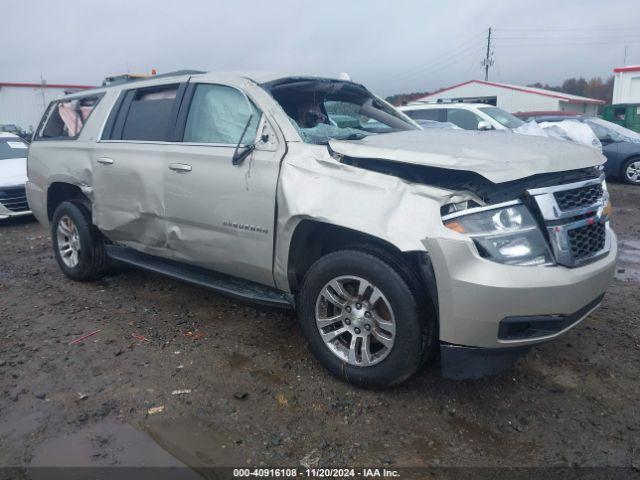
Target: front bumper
x,y
475,295
13,202
459,362
5,213
470,363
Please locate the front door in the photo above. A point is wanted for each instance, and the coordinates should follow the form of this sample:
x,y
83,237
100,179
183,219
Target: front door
x,y
220,215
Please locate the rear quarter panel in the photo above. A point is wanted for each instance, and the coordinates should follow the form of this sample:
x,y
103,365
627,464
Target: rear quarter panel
x,y
67,161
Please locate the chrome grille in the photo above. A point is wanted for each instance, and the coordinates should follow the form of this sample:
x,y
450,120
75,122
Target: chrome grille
x,y
578,197
587,241
576,223
14,199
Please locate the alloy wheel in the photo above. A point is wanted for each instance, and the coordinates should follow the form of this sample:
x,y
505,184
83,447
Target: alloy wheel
x,y
355,320
68,241
633,172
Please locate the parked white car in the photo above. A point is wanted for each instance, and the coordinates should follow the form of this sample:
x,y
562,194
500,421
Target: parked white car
x,y
13,176
468,116
481,116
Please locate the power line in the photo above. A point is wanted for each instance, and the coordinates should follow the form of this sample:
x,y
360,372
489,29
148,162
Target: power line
x,y
567,44
564,29
610,37
444,61
444,57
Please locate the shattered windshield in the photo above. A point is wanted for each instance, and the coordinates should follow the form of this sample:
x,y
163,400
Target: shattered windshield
x,y
502,117
323,109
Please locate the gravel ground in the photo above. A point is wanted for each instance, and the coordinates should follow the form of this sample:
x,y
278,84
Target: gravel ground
x,y
253,395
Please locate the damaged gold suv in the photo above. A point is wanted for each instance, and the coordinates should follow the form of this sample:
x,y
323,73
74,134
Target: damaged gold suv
x,y
393,243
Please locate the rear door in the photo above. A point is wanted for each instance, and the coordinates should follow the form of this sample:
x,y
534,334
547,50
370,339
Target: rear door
x,y
129,165
220,215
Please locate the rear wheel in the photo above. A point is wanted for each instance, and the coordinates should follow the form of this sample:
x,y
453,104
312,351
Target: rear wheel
x,y
631,171
77,243
362,319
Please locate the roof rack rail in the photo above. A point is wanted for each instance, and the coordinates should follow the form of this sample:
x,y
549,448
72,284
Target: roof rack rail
x,y
128,78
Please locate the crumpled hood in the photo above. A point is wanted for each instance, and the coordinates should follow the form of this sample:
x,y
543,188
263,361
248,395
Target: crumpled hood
x,y
499,156
13,172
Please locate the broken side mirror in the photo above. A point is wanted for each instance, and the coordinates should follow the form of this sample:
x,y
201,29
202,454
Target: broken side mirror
x,y
484,125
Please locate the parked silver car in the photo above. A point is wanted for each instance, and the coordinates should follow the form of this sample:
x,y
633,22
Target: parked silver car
x,y
392,242
13,175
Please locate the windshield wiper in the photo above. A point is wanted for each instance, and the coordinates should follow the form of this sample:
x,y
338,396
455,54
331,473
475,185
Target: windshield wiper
x,y
351,136
355,136
238,157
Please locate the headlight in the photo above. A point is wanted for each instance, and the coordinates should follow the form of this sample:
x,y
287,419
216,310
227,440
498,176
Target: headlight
x,y
507,235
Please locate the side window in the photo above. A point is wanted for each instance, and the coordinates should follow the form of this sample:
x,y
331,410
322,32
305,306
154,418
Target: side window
x,y
149,114
219,114
620,113
601,132
426,114
65,119
463,118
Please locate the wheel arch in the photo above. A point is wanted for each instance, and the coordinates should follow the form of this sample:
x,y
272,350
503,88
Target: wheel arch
x,y
59,192
313,239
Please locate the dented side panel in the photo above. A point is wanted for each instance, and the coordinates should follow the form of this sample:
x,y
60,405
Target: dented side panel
x,y
315,186
129,203
65,161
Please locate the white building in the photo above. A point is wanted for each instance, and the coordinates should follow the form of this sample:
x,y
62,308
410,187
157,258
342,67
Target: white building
x,y
513,98
626,84
23,104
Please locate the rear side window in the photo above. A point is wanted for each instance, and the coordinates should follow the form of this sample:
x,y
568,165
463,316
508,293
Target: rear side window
x,y
65,119
426,114
149,114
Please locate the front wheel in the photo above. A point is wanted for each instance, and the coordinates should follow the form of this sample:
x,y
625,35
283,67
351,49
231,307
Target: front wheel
x,y
631,171
362,319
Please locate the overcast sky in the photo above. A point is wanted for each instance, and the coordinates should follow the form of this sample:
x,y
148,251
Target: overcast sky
x,y
390,46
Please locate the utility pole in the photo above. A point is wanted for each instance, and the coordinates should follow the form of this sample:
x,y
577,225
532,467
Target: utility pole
x,y
488,61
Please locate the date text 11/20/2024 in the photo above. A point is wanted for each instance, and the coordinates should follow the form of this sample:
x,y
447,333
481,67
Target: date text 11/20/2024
x,y
315,473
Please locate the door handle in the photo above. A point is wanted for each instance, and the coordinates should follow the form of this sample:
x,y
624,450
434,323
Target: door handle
x,y
180,167
105,160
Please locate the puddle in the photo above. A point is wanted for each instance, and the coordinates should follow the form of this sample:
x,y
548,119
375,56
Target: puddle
x,y
196,443
102,447
628,268
267,377
237,360
16,424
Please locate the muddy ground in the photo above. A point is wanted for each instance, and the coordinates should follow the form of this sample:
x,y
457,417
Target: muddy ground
x,y
255,396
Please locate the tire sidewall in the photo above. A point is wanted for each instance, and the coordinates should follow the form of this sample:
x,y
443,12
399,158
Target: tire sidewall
x,y
84,268
625,166
406,354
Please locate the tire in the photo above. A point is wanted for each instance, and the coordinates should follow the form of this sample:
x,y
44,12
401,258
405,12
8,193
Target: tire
x,y
77,234
397,314
630,171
